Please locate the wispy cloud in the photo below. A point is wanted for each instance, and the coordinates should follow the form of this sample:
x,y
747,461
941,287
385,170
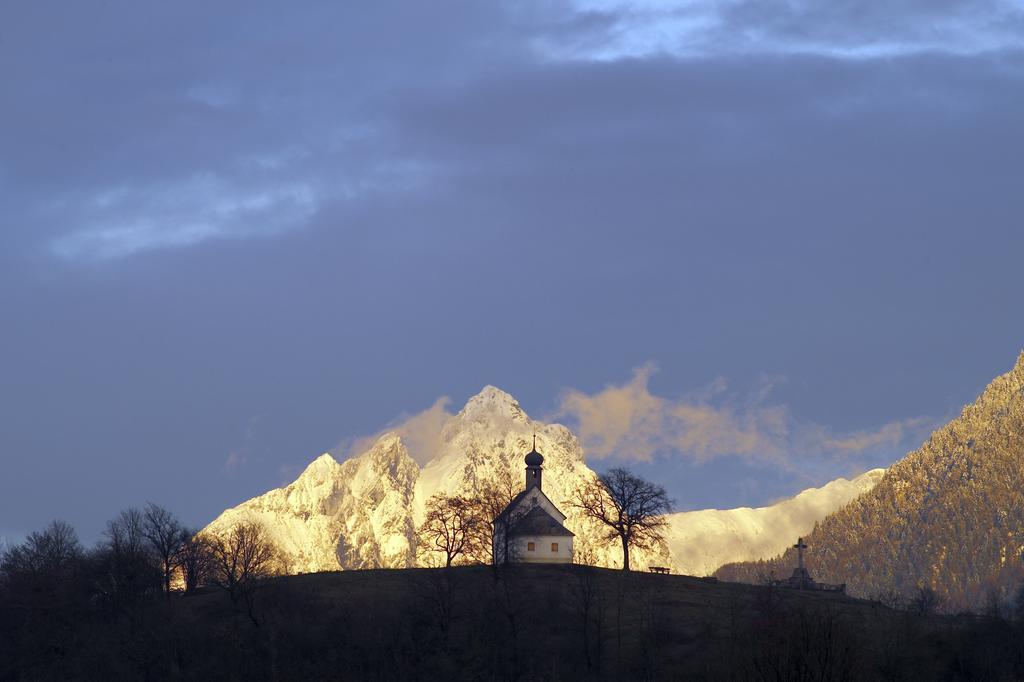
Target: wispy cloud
x,y
235,461
420,433
843,29
888,435
238,458
628,422
123,221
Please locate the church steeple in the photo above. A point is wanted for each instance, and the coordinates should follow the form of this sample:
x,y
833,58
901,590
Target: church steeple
x,y
534,461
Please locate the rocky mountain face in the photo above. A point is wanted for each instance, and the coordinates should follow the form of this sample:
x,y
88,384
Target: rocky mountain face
x,y
363,512
949,516
350,515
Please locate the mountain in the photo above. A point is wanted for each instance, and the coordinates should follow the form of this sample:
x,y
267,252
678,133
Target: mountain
x,y
363,513
702,541
351,515
949,516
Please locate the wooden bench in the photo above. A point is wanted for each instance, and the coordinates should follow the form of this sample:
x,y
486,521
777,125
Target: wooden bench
x,y
664,570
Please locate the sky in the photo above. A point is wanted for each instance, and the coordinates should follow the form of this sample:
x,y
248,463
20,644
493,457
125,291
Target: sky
x,y
743,247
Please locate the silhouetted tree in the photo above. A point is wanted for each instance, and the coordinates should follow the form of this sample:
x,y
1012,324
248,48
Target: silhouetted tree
x,y
926,601
242,559
41,572
165,536
492,497
126,570
47,552
195,560
451,527
42,601
631,509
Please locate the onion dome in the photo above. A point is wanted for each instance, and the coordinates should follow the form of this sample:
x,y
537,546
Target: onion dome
x,y
534,458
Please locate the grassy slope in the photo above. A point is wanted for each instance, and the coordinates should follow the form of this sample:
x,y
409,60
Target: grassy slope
x,y
528,623
473,623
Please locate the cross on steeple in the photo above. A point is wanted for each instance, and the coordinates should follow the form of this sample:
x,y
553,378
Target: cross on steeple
x,y
800,547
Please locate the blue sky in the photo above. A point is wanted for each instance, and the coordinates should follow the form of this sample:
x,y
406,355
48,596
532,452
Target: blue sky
x,y
782,238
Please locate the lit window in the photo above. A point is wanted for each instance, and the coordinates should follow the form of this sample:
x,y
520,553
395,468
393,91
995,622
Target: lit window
x,y
554,546
530,547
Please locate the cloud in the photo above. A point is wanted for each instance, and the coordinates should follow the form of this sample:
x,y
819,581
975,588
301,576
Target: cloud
x,y
888,435
238,458
168,149
420,433
286,473
235,461
843,29
628,422
151,144
123,221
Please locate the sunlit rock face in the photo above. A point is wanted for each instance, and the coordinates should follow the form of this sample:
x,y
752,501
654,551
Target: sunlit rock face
x,y
363,512
352,515
950,515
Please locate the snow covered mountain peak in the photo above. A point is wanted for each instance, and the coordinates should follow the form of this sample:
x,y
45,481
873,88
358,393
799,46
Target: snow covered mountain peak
x,y
321,468
492,402
388,450
385,467
494,420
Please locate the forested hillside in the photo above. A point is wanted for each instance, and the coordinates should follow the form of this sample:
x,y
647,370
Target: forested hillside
x,y
949,516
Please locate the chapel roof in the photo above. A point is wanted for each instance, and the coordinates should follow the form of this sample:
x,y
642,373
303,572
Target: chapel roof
x,y
538,522
511,505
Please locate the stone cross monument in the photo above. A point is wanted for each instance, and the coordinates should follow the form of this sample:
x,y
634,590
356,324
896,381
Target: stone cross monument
x,y
800,547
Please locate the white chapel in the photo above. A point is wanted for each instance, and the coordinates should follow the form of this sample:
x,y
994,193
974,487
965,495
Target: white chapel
x,y
530,529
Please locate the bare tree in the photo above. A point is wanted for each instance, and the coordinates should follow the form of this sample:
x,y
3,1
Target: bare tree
x,y
44,601
493,496
128,570
195,559
124,533
245,554
631,509
242,559
165,536
48,551
42,572
926,601
451,527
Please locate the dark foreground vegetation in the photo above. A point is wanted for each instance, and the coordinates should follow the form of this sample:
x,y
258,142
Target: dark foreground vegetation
x,y
67,614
